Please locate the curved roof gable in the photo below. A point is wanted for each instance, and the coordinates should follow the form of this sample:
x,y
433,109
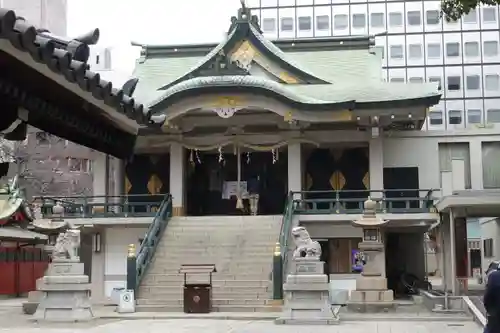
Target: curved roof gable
x,y
246,27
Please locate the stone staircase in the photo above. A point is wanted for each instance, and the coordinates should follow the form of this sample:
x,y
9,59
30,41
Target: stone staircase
x,y
241,247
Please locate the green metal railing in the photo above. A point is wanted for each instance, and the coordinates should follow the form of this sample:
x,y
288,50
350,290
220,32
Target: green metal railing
x,y
280,259
135,205
351,202
152,238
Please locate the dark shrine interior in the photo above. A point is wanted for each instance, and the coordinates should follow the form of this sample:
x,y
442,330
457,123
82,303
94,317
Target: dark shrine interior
x,y
206,175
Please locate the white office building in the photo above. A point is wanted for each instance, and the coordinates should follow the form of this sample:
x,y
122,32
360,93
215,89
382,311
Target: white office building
x,y
418,46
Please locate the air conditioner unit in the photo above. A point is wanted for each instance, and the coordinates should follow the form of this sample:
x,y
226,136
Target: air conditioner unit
x,y
126,303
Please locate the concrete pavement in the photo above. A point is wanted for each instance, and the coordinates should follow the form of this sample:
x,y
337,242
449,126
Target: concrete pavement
x,y
241,326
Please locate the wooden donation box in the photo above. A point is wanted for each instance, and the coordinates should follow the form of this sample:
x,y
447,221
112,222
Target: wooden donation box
x,y
197,288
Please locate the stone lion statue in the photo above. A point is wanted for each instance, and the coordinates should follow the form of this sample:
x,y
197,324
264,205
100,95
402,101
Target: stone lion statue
x,y
305,246
67,245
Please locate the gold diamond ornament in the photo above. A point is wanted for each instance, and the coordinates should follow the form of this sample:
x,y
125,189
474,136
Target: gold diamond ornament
x,y
337,181
366,180
154,184
128,185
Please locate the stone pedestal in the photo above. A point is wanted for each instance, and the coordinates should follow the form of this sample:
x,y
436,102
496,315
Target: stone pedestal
x,y
371,294
65,293
306,300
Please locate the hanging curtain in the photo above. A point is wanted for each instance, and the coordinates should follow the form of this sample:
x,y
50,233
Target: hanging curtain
x,y
455,151
491,166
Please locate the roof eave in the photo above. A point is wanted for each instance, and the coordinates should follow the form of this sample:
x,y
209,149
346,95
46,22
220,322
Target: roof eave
x,y
425,101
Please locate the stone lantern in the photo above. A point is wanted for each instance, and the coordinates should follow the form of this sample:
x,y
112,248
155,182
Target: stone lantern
x,y
371,294
58,212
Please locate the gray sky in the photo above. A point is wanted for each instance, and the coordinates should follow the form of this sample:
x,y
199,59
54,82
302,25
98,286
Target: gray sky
x,y
150,22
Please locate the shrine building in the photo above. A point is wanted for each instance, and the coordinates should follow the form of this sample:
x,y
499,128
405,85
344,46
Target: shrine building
x,y
254,137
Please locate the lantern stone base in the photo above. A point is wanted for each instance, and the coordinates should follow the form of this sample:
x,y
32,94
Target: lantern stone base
x,y
371,295
306,300
65,293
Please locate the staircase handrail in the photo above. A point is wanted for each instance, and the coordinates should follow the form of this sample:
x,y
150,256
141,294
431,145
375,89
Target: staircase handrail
x,y
280,268
153,236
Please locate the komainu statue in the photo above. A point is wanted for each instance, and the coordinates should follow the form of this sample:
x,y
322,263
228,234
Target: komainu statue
x,y
67,245
305,246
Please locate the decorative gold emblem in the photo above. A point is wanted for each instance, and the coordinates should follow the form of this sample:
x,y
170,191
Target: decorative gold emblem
x,y
227,101
337,181
196,299
243,56
128,185
287,78
366,180
154,184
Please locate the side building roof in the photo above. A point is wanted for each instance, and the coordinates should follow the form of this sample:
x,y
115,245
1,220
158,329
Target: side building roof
x,y
50,77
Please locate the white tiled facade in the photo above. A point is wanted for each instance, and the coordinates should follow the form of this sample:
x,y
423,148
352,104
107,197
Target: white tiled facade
x,y
418,46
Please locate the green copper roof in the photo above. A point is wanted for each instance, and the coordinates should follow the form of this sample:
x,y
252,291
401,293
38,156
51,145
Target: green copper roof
x,y
351,72
307,97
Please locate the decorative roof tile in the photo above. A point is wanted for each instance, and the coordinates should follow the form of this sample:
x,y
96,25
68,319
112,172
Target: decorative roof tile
x,y
69,57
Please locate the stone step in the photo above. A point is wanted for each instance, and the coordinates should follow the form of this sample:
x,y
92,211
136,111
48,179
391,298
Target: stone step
x,y
221,294
175,277
215,301
172,243
167,268
238,228
220,283
215,251
219,308
159,291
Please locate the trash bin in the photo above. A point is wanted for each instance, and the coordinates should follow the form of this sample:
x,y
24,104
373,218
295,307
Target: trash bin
x,y
197,295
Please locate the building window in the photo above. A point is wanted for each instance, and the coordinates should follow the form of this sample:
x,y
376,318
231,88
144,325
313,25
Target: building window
x,y
397,79
472,82
436,79
79,165
455,151
42,138
286,24
340,22
305,23
416,80
432,17
490,152
269,24
396,51
471,17
474,116
452,49
377,20
323,22
454,117
414,17
488,247
493,116
490,48
434,50
395,19
490,14
415,51
471,49
453,83
358,20
491,82
436,117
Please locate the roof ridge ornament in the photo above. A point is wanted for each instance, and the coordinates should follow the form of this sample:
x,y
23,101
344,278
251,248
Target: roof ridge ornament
x,y
244,16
